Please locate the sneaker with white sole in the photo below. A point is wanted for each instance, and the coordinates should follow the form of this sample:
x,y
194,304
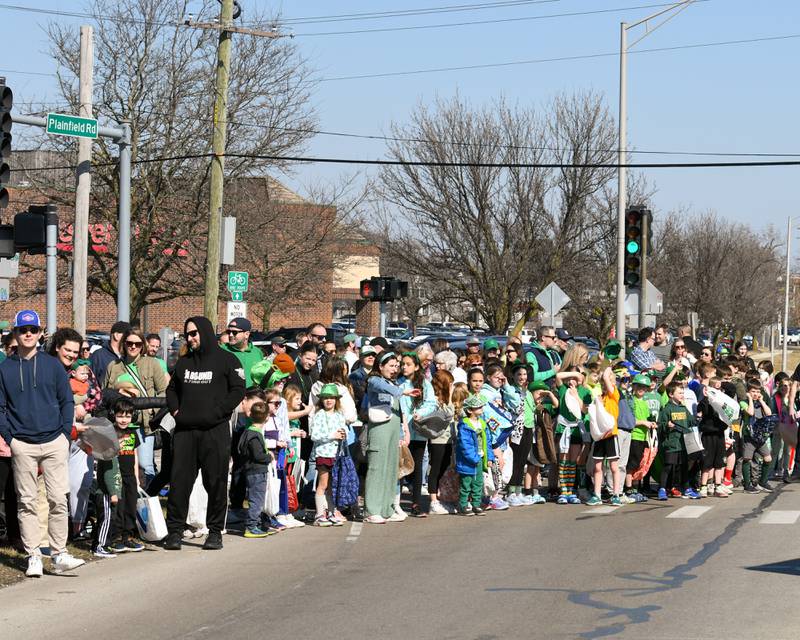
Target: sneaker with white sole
x,y
703,491
376,519
396,517
526,499
35,569
438,509
498,504
626,499
514,500
720,492
538,499
66,562
293,523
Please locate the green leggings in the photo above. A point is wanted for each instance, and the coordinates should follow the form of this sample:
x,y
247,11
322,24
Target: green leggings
x,y
471,485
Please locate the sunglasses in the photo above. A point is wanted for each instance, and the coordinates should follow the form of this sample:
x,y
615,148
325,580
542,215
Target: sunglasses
x,y
86,348
193,333
133,344
680,346
275,403
320,336
28,329
234,332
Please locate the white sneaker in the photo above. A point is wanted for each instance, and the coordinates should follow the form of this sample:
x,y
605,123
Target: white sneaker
x,y
396,517
703,491
438,509
424,490
66,562
35,569
401,515
375,519
292,522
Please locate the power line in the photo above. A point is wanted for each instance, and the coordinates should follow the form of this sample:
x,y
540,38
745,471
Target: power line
x,y
455,143
588,56
426,163
402,13
483,22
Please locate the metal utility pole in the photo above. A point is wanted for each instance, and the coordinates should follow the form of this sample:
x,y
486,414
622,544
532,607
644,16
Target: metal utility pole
x,y
622,176
51,262
124,240
622,181
787,282
83,179
210,303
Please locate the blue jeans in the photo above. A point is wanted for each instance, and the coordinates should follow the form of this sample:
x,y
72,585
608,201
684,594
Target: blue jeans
x,y
256,496
146,453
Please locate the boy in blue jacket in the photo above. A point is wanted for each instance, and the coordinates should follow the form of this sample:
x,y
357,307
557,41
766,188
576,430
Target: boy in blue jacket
x,y
473,454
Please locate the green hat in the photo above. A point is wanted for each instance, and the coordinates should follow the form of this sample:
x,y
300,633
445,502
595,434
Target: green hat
x,y
491,343
367,350
81,362
612,349
519,364
329,390
642,379
475,401
350,337
538,385
266,375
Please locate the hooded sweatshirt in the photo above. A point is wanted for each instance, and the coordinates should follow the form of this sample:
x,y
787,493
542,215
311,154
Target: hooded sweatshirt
x,y
36,404
208,384
249,357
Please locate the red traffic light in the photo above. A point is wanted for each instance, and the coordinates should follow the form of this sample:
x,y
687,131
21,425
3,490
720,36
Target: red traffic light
x,y
368,290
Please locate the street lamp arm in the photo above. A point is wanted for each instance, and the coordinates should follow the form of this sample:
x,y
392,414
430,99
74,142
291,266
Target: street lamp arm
x,y
674,10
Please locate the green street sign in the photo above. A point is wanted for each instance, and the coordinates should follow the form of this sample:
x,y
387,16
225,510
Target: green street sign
x,y
238,281
237,296
65,125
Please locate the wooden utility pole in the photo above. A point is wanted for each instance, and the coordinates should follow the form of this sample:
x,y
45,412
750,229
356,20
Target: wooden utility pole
x,y
226,29
83,179
210,303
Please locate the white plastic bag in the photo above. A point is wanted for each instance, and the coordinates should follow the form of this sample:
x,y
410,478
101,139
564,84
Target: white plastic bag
x,y
601,422
692,441
198,503
272,503
150,518
726,407
101,438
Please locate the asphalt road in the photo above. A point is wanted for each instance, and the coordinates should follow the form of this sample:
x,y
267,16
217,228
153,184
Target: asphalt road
x,y
729,569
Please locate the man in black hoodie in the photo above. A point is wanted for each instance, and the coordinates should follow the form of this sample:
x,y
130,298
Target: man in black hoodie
x,y
206,387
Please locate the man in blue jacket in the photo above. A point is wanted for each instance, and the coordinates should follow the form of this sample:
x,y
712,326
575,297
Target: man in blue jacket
x,y
36,412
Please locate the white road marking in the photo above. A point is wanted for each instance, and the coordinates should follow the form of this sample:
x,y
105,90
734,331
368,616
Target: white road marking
x,y
689,512
779,517
601,510
355,531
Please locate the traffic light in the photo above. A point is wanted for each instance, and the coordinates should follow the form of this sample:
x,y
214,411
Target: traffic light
x,y
30,229
6,102
383,289
371,289
633,246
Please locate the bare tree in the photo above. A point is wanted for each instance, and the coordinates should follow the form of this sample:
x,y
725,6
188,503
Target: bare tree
x,y
159,77
494,235
724,271
291,245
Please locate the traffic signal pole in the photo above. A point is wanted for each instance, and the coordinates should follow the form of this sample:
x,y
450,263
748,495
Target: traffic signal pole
x,y
622,181
643,281
122,137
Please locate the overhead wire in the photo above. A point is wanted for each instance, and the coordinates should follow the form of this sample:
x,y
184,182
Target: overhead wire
x,y
457,143
589,56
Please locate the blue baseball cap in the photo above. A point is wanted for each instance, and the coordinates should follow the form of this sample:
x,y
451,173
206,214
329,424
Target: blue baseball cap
x,y
27,318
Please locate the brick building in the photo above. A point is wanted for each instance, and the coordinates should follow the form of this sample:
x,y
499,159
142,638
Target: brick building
x,y
334,280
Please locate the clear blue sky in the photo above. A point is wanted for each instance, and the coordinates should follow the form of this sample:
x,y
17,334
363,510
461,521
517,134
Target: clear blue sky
x,y
739,98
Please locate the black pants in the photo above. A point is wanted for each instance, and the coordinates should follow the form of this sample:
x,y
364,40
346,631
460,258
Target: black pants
x,y
207,450
106,513
672,471
9,498
439,456
521,452
125,515
161,479
238,489
417,448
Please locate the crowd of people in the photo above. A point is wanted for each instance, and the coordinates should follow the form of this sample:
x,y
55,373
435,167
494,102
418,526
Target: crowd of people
x,y
369,430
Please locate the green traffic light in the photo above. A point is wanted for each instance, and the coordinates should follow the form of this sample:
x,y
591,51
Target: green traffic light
x,y
633,246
